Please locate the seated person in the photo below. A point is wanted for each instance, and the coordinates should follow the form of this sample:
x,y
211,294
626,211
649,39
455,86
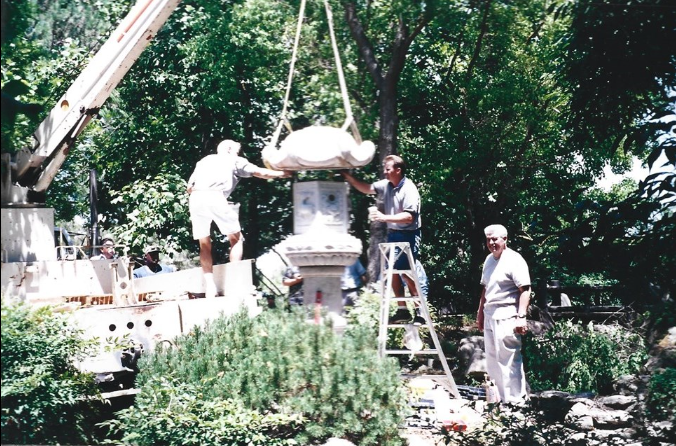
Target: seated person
x,y
152,264
107,250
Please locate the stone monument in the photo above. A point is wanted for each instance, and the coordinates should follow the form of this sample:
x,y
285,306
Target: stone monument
x,y
321,247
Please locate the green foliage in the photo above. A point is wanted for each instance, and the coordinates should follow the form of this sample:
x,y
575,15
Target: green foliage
x,y
622,42
45,399
572,357
317,384
489,104
661,400
365,314
156,209
179,415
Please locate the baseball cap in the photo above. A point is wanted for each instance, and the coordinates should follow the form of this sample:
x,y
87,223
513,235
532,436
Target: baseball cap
x,y
152,248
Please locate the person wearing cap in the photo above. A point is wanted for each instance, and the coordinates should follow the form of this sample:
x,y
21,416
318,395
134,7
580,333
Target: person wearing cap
x,y
210,185
505,295
152,264
107,250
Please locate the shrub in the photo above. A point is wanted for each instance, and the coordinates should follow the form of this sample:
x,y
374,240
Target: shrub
x,y
661,401
300,380
178,414
574,358
45,399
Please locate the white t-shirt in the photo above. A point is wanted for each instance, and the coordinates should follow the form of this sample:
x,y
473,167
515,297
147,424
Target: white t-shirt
x,y
502,278
220,173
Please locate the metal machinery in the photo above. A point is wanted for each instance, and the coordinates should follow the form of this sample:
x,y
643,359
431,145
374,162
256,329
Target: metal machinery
x,y
107,300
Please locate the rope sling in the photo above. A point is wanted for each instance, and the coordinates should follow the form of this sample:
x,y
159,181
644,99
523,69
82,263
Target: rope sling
x,y
317,147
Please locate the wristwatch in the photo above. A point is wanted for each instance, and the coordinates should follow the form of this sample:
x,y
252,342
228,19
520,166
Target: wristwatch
x,y
521,315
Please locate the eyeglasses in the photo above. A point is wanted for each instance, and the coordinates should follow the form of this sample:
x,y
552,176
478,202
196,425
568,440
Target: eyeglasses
x,y
493,239
108,246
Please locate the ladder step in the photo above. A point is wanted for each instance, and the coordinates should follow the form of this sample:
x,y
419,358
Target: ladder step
x,y
407,298
411,352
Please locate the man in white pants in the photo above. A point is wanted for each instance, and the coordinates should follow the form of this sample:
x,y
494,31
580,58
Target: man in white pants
x,y
209,186
502,314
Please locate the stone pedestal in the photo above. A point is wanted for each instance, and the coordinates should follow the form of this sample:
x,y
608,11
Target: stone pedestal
x,y
321,247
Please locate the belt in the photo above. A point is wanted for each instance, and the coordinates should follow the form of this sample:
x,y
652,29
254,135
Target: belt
x,y
349,290
403,230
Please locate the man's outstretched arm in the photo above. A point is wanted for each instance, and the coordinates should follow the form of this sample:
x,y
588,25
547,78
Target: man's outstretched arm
x,y
262,172
361,186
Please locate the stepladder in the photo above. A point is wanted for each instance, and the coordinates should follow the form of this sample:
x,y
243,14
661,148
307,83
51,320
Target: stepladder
x,y
397,259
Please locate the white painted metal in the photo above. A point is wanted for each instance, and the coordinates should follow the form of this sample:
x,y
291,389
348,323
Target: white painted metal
x,y
28,234
389,254
90,90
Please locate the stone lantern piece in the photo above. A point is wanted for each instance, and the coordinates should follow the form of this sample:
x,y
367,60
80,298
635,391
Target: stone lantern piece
x,y
321,247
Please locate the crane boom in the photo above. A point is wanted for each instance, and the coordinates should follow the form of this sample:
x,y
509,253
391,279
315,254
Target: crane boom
x,y
35,167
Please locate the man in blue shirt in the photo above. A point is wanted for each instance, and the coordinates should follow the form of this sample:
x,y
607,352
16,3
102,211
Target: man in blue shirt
x,y
152,264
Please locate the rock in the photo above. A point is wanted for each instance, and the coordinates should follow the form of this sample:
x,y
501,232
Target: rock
x,y
626,385
617,401
555,403
584,411
579,418
662,430
471,356
663,354
538,328
612,419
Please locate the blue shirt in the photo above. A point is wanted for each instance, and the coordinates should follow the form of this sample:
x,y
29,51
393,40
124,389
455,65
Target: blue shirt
x,y
144,271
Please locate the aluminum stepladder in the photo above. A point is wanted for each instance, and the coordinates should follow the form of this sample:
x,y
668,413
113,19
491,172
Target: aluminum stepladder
x,y
389,254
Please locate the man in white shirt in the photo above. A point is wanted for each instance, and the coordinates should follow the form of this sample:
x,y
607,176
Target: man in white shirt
x,y
209,186
505,296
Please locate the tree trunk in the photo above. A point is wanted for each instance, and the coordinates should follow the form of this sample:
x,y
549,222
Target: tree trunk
x,y
386,83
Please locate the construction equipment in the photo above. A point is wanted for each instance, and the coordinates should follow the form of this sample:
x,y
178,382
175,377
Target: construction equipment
x,y
110,303
390,253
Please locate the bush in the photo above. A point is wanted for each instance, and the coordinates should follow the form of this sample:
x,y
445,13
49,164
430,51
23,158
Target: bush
x,y
178,414
298,380
572,357
45,399
661,401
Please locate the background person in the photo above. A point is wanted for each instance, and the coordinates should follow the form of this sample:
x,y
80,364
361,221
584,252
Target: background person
x,y
152,264
209,186
503,305
107,250
294,281
351,282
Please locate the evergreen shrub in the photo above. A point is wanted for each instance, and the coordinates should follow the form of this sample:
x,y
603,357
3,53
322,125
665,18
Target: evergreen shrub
x,y
573,357
45,399
299,381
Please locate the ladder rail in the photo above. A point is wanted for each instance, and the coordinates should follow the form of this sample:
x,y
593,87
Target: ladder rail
x,y
390,253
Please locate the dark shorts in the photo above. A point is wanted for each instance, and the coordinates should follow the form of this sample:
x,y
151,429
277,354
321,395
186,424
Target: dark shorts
x,y
413,238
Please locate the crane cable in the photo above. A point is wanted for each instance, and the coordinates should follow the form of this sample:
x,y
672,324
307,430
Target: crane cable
x,y
349,118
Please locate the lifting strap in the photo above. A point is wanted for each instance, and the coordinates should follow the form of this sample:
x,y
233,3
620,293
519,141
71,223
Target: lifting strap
x,y
349,118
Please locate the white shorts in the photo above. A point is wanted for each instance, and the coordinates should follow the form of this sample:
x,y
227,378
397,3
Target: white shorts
x,y
212,206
